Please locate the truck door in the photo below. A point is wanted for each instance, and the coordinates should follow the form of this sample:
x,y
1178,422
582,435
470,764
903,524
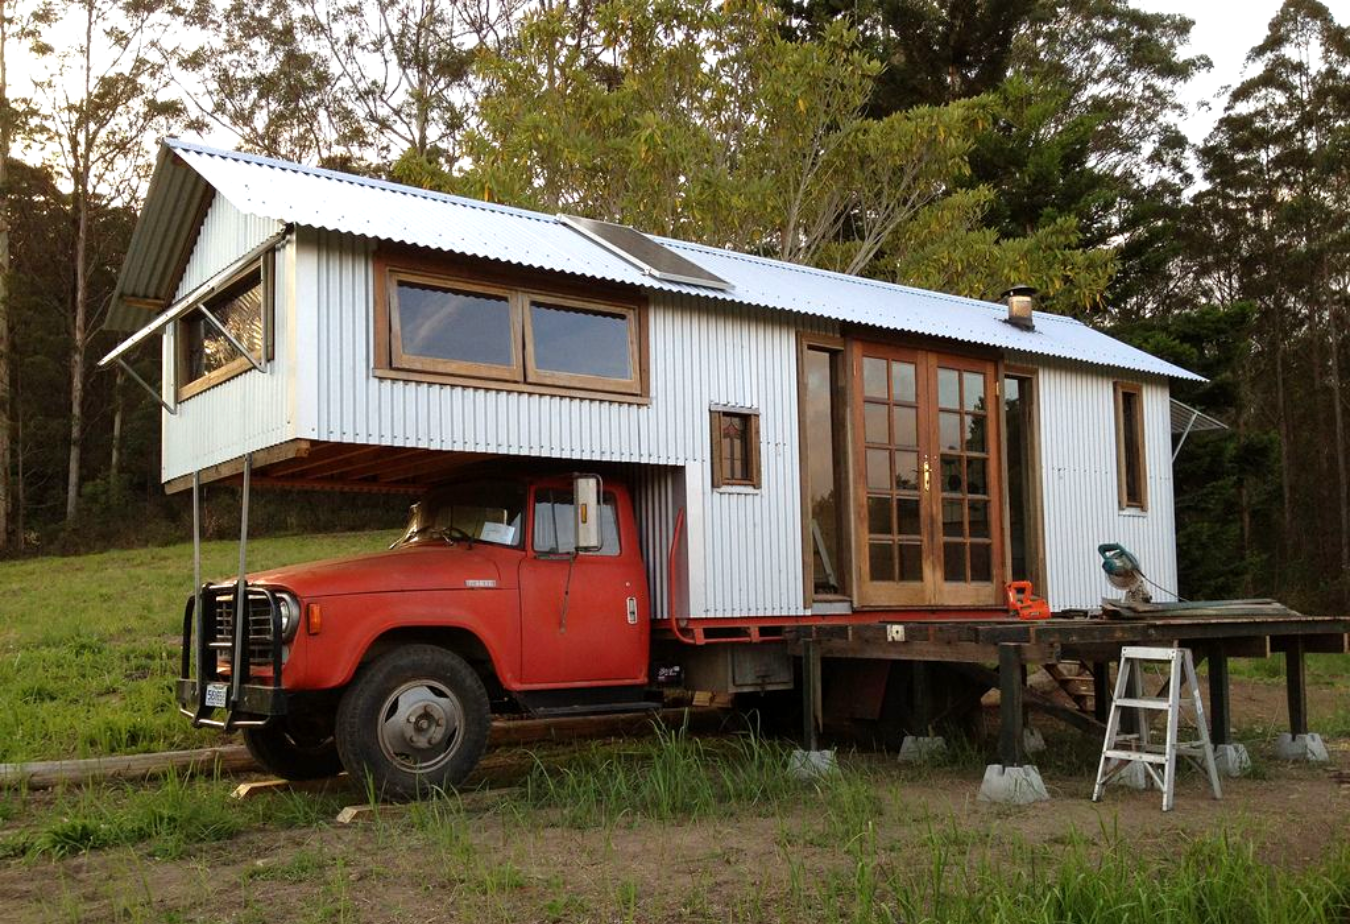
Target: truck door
x,y
599,639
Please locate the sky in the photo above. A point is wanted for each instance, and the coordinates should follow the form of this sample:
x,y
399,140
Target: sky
x,y
1225,30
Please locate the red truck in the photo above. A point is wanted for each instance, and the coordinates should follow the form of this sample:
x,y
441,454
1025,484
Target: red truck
x,y
520,594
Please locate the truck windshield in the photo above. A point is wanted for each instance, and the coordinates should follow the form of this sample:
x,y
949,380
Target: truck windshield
x,y
481,511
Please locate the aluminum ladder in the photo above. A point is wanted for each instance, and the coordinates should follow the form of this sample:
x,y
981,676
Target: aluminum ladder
x,y
1158,760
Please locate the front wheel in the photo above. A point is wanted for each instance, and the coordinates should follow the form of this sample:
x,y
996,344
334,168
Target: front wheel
x,y
414,721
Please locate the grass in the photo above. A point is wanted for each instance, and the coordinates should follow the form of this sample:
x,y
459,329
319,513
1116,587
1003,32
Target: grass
x,y
89,644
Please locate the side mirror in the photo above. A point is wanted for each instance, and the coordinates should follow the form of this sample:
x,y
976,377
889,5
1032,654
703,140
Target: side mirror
x,y
586,491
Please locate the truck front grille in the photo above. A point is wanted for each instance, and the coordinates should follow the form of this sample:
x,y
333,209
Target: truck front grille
x,y
259,627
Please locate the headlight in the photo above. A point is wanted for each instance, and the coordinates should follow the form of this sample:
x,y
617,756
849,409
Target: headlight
x,y
289,608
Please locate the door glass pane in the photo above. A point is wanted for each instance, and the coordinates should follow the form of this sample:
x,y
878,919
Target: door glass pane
x,y
907,516
973,391
976,470
1017,443
903,386
577,342
975,437
953,523
874,423
906,426
822,468
951,475
874,377
949,430
979,519
878,469
879,514
906,470
911,562
949,388
980,563
881,561
954,561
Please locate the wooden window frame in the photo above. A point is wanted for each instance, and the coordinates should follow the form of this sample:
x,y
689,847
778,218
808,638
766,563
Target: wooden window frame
x,y
522,288
185,387
840,439
720,480
1136,390
1036,493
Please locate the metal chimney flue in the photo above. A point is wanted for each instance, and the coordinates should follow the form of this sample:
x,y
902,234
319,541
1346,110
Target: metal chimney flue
x,y
1021,302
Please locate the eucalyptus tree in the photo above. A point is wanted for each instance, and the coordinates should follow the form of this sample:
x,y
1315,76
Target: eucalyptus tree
x,y
105,98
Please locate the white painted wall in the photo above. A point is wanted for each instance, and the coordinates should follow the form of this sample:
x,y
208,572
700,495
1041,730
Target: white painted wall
x,y
250,411
1081,503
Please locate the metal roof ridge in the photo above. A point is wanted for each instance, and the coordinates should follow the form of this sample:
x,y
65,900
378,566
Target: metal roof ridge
x,y
883,284
356,179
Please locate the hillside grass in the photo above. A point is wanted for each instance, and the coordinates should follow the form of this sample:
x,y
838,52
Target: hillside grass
x,y
89,644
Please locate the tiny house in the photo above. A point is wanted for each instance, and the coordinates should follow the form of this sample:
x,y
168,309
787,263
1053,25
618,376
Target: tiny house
x,y
836,444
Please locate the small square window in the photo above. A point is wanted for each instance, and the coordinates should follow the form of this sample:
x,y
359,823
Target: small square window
x,y
735,445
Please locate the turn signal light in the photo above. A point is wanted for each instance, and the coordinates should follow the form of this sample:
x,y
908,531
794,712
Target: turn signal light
x,y
313,619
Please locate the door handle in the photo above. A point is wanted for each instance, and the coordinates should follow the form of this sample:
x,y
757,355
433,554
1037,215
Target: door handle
x,y
927,473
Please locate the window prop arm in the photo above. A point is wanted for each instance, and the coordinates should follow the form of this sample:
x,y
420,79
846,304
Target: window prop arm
x,y
154,393
234,341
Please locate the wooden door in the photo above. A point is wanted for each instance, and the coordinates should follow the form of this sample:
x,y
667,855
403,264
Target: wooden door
x,y
928,527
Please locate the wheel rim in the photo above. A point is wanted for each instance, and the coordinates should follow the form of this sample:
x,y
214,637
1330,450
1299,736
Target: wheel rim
x,y
420,726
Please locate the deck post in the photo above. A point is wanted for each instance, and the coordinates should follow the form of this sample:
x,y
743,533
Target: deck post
x,y
1220,715
810,694
1010,680
1297,687
1101,690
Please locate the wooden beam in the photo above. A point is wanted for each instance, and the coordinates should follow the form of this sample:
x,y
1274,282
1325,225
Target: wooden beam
x,y
1010,716
379,463
947,652
288,450
336,464
1314,644
342,485
1101,690
45,774
320,454
1220,712
146,304
1296,687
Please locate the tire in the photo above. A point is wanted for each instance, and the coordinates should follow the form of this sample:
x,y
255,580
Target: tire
x,y
414,721
302,754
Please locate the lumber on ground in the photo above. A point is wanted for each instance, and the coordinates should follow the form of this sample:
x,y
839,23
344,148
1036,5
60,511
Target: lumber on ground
x,y
44,774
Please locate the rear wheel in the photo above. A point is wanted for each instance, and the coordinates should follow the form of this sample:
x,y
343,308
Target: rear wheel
x,y
414,721
294,750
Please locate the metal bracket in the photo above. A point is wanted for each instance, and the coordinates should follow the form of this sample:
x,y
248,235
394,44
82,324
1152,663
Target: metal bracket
x,y
243,351
172,409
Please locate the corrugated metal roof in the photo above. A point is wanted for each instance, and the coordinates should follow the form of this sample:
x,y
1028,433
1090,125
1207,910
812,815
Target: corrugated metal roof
x,y
318,198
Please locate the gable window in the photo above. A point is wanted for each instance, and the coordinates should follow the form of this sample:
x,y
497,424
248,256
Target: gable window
x,y
1131,474
735,448
463,330
207,355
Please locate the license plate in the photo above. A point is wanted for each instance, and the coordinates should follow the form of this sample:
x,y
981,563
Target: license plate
x,y
216,694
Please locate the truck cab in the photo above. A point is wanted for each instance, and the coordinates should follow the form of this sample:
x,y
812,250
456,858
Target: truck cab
x,y
502,594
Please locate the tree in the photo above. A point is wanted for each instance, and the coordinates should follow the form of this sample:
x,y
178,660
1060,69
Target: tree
x,y
19,25
704,121
104,101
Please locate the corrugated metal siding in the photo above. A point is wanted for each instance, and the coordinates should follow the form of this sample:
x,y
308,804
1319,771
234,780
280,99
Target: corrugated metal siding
x,y
1081,505
250,411
701,353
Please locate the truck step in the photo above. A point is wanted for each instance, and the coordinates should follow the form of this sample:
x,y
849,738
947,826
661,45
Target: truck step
x,y
595,709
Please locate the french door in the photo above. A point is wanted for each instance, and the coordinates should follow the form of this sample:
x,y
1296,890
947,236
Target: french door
x,y
928,518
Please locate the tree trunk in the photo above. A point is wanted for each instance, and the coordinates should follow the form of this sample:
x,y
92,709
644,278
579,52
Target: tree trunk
x,y
114,464
1338,421
5,400
77,348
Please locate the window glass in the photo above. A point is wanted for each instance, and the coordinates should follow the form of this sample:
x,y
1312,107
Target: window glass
x,y
577,342
485,511
240,310
1131,449
555,524
734,435
443,323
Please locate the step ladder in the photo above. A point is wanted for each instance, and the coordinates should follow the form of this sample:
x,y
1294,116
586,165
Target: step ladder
x,y
1158,760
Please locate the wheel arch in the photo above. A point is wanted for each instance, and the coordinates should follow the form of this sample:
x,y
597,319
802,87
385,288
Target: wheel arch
x,y
464,642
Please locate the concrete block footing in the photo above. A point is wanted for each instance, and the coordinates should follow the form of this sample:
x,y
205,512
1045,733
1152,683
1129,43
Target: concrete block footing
x,y
1132,775
918,749
1309,747
1012,785
1232,759
1033,742
812,765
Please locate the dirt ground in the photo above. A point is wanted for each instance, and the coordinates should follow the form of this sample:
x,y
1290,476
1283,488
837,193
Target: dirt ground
x,y
490,862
